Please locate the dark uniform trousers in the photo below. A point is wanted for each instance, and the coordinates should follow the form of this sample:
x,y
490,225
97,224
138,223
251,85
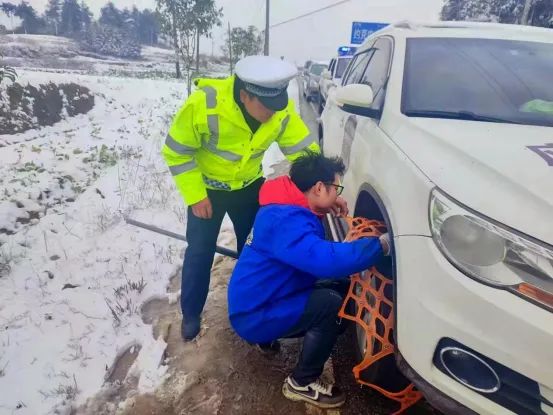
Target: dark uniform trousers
x,y
242,206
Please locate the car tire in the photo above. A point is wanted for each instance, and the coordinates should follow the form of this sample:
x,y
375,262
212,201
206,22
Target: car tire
x,y
384,372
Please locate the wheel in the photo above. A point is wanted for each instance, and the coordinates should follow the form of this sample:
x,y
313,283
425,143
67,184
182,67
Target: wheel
x,y
384,372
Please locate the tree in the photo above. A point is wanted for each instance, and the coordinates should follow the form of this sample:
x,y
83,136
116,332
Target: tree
x,y
9,9
148,27
184,21
52,15
245,42
86,15
110,15
71,18
532,12
30,21
108,40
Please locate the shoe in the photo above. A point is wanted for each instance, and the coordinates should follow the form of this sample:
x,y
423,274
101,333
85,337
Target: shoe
x,y
316,393
269,349
190,328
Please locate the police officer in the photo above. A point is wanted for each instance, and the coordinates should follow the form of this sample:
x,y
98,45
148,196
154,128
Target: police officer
x,y
214,151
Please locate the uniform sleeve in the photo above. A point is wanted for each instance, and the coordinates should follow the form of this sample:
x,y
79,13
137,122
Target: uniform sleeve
x,y
179,151
295,138
298,244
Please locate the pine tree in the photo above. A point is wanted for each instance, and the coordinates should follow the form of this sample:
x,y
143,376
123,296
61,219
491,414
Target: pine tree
x,y
71,18
53,15
30,21
111,16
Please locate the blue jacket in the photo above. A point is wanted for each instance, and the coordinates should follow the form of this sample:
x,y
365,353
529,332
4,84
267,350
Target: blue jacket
x,y
284,257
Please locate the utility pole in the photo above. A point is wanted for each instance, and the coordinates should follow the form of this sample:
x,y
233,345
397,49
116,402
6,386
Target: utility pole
x,y
526,12
267,20
230,47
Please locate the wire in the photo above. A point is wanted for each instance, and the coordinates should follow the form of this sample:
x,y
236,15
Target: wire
x,y
310,13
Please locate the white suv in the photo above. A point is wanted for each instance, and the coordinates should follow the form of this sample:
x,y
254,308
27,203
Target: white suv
x,y
447,134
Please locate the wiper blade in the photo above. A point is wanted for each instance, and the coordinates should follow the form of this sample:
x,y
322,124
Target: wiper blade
x,y
457,115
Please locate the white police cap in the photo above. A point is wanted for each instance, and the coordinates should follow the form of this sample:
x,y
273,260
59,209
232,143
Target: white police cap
x,y
265,71
267,78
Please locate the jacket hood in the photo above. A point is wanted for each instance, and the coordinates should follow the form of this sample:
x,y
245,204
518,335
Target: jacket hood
x,y
281,191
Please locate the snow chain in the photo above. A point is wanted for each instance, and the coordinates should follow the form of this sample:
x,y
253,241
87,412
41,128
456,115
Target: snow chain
x,y
371,300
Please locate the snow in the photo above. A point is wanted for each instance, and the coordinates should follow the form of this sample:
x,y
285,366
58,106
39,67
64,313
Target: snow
x,y
73,274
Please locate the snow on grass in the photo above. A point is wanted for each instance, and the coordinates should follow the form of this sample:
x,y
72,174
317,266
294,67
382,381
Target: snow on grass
x,y
73,275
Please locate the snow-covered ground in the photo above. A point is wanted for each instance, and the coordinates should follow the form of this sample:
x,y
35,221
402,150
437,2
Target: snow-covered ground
x,y
73,274
63,55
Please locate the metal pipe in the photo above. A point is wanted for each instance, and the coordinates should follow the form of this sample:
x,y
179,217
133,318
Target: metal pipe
x,y
219,249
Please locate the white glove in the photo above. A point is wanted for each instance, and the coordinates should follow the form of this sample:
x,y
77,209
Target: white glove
x,y
386,244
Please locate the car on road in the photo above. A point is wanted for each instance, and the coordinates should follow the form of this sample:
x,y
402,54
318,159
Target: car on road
x,y
311,78
332,77
446,131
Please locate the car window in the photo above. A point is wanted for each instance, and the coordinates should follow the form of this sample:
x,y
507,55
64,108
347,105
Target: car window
x,y
377,71
317,68
357,68
341,66
499,80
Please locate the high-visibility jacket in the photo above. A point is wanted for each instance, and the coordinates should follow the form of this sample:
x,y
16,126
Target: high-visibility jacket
x,y
210,145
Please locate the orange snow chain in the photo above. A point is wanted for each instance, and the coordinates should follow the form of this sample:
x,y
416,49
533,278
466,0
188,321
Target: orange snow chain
x,y
359,228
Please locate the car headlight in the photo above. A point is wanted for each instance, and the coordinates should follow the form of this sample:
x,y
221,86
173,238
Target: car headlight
x,y
492,253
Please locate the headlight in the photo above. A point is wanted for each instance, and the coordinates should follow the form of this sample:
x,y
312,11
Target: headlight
x,y
492,253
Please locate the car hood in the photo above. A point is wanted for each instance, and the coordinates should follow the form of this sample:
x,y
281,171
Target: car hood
x,y
504,171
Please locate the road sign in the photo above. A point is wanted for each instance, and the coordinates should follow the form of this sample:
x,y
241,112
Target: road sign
x,y
361,30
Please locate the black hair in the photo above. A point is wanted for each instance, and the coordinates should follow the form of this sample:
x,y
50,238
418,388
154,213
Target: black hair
x,y
313,167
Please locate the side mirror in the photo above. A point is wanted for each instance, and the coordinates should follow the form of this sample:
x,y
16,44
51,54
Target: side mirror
x,y
326,75
357,99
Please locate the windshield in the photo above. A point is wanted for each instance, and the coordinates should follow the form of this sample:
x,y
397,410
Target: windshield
x,y
342,65
480,80
317,69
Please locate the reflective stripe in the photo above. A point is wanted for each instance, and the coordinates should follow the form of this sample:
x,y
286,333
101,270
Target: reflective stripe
x,y
210,97
254,156
178,147
283,126
182,168
303,144
211,145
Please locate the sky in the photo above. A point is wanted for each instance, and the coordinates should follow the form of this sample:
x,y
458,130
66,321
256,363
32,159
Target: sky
x,y
313,37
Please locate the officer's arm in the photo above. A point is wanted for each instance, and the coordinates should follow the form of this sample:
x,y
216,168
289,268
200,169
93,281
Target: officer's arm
x,y
294,138
179,151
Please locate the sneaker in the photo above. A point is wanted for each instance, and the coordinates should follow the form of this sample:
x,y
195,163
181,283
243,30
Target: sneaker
x,y
190,328
269,349
316,393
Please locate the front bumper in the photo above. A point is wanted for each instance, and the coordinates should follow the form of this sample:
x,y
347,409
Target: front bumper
x,y
435,301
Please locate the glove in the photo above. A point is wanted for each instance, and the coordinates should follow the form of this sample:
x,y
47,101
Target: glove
x,y
386,243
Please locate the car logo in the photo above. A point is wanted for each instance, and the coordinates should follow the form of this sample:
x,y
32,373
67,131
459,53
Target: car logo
x,y
545,152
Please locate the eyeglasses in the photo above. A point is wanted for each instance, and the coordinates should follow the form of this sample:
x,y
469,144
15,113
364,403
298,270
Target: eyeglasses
x,y
339,188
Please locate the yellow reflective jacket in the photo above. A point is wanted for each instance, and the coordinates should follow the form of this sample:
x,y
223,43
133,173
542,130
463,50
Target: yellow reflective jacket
x,y
210,145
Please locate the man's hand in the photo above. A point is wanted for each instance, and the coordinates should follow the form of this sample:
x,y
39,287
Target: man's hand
x,y
203,209
340,208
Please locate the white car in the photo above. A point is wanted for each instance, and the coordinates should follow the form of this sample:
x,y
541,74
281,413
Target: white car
x,y
332,77
447,134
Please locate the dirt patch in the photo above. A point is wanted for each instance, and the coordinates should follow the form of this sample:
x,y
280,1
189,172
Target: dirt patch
x,y
26,107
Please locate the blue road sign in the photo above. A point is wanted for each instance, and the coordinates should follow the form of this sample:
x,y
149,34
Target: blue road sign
x,y
361,30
